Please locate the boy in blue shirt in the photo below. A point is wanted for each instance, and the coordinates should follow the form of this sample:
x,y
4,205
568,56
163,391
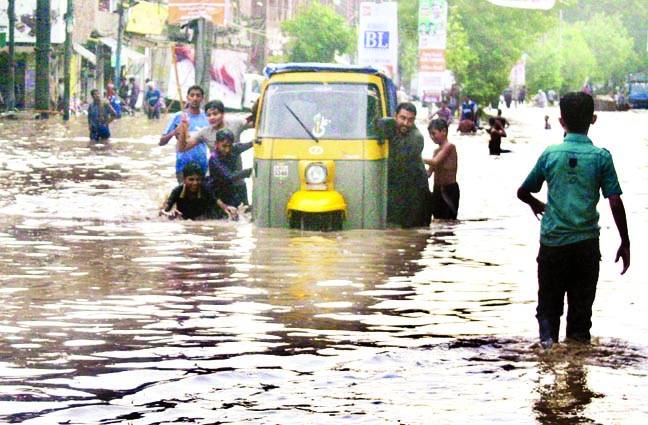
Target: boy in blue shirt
x,y
191,120
568,260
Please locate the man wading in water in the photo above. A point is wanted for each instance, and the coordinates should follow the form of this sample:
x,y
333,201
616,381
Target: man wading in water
x,y
408,190
100,113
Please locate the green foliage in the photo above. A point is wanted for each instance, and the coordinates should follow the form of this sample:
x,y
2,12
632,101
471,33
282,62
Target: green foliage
x,y
633,15
495,38
407,39
484,42
611,46
577,60
599,50
317,33
544,64
602,40
460,56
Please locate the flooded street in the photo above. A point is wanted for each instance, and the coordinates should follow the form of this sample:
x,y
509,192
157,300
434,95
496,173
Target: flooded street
x,y
112,315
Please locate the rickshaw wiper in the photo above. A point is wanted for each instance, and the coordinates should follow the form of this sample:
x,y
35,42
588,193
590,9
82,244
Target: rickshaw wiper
x,y
311,135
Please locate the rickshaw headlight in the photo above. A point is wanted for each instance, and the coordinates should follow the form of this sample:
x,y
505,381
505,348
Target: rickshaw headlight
x,y
316,173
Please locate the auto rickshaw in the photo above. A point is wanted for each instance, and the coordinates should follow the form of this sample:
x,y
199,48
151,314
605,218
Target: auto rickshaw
x,y
320,154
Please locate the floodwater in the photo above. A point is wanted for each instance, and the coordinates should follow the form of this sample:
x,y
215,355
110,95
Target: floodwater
x,y
112,315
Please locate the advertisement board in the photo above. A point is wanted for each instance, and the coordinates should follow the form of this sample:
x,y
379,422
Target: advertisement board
x,y
525,4
227,75
432,34
25,27
378,36
183,11
147,18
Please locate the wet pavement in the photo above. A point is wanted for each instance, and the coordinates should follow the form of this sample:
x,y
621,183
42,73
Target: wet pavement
x,y
112,315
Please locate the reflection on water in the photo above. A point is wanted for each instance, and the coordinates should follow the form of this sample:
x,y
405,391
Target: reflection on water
x,y
112,315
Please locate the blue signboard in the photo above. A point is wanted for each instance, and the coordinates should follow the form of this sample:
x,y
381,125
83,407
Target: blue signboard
x,y
376,40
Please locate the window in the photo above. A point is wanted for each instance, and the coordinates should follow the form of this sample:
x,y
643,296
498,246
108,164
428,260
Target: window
x,y
328,111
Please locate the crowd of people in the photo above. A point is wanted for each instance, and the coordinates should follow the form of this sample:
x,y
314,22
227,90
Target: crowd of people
x,y
211,179
102,110
211,185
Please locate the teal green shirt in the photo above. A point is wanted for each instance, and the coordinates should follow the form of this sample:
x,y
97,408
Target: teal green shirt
x,y
575,171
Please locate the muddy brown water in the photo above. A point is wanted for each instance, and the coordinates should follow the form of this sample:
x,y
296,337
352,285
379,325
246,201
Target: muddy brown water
x,y
112,315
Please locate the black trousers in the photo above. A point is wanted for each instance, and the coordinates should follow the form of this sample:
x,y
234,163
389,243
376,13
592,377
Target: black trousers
x,y
444,202
573,270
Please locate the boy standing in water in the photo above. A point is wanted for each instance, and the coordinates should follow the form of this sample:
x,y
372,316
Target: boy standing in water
x,y
226,181
568,260
445,195
496,132
191,120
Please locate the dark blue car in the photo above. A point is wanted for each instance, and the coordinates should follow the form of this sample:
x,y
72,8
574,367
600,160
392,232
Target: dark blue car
x,y
638,91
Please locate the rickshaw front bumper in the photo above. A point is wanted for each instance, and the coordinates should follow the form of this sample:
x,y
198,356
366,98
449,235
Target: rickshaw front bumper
x,y
313,202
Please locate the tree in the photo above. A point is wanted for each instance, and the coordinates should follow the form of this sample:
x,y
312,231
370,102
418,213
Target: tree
x,y
460,56
611,46
545,63
598,49
497,37
316,34
407,39
632,13
484,42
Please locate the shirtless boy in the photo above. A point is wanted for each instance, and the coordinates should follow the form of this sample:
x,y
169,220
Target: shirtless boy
x,y
445,195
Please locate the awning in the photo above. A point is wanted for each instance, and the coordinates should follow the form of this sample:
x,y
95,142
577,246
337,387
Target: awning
x,y
85,53
127,54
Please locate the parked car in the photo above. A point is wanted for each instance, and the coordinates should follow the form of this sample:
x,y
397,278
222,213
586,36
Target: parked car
x,y
638,91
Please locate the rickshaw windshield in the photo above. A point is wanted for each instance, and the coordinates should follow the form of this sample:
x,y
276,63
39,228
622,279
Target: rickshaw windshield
x,y
329,111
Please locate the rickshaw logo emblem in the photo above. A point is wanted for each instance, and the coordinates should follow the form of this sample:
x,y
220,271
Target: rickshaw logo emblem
x,y
316,150
320,125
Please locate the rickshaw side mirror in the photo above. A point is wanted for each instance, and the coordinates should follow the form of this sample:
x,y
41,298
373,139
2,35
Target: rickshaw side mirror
x,y
386,128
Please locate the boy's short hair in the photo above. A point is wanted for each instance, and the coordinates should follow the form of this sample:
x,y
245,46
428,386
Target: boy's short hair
x,y
577,110
408,106
192,169
224,134
215,104
438,125
196,87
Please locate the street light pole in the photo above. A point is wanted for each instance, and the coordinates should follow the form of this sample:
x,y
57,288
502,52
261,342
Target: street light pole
x,y
69,20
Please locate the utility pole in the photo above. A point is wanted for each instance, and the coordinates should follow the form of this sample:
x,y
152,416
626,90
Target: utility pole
x,y
203,48
99,69
42,56
120,37
69,20
11,79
